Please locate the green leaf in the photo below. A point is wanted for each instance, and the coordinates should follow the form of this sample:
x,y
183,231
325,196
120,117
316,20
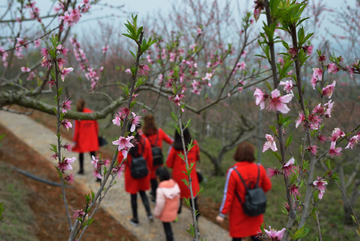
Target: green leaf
x,y
352,216
187,124
92,195
1,210
177,129
174,116
302,232
185,181
288,141
187,201
268,85
273,128
132,104
277,155
191,231
87,198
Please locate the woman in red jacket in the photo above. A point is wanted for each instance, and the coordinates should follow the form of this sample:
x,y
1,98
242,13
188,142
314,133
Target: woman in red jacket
x,y
133,186
85,135
156,137
241,225
179,167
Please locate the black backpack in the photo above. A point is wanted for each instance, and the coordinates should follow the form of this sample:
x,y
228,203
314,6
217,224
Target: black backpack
x,y
158,158
255,199
138,166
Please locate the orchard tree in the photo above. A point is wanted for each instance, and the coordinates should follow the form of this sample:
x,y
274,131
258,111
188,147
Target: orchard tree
x,y
298,174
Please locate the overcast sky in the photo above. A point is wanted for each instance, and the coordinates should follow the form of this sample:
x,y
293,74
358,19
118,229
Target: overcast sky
x,y
145,7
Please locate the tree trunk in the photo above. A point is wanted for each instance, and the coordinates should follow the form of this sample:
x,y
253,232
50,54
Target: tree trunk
x,y
217,168
347,215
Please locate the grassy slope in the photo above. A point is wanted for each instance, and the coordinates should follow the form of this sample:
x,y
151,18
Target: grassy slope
x,y
18,216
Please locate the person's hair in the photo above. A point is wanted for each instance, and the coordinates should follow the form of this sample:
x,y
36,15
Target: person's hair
x,y
80,105
149,127
177,140
134,150
163,173
244,152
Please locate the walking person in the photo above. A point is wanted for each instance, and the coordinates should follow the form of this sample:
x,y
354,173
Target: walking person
x,y
179,166
167,200
156,137
137,180
85,135
245,171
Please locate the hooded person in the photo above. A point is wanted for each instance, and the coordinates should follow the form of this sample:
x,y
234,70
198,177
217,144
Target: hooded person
x,y
167,201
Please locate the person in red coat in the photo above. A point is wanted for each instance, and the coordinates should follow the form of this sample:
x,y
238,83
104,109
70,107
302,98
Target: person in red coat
x,y
133,186
85,135
241,225
156,137
179,166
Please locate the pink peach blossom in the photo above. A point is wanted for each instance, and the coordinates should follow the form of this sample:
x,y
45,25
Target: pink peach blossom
x,y
270,143
320,184
353,140
123,142
300,119
278,103
273,172
275,235
288,86
289,167
260,98
332,68
328,90
66,124
334,151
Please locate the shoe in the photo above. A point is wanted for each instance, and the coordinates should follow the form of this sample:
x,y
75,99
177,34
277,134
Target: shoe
x,y
152,200
81,172
134,222
151,218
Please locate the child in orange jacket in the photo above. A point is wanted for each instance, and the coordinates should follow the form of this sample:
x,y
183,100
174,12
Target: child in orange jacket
x,y
167,200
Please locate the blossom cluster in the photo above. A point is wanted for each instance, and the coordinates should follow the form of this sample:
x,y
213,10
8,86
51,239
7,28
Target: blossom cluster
x,y
186,76
276,101
124,143
91,74
34,11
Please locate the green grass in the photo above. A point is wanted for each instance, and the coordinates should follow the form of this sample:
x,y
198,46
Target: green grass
x,y
18,217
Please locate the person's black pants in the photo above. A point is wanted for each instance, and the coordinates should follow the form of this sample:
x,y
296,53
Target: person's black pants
x,y
81,160
196,207
154,186
168,231
134,204
253,238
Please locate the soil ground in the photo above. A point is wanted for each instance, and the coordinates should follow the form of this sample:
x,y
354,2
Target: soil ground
x,y
48,221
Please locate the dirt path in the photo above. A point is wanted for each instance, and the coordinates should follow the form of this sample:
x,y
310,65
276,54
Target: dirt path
x,y
117,202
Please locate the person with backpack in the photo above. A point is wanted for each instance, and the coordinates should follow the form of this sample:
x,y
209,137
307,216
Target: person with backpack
x,y
137,175
85,135
178,166
244,194
156,137
167,200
